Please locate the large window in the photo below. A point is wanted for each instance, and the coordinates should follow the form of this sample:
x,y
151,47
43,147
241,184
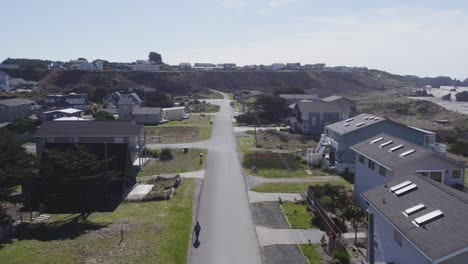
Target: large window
x,y
456,174
361,158
382,170
397,236
313,121
321,115
434,175
305,116
371,164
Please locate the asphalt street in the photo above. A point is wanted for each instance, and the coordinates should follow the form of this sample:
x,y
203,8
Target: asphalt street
x,y
228,233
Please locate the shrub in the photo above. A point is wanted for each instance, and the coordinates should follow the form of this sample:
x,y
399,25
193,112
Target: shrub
x,y
166,154
342,256
326,202
150,153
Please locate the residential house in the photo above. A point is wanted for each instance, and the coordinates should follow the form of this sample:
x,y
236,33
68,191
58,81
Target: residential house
x,y
314,67
147,115
293,66
60,113
11,109
84,65
382,158
125,106
20,83
4,82
174,113
111,100
72,100
417,220
145,67
206,67
310,117
116,147
341,100
294,98
229,66
277,66
333,147
185,66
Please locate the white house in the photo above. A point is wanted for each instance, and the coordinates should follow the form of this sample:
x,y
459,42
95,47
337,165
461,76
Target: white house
x,y
4,82
277,66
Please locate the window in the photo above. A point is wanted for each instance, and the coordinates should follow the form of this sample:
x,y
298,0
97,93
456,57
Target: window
x,y
434,175
341,115
382,170
371,164
397,236
313,121
305,127
361,158
321,116
456,174
305,116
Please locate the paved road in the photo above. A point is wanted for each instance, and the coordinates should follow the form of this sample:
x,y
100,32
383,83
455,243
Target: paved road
x,y
268,236
228,233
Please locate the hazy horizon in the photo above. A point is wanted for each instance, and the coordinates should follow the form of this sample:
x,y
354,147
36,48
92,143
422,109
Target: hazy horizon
x,y
423,38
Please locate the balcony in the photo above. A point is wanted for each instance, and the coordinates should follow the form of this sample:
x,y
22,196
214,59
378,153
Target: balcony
x,y
438,147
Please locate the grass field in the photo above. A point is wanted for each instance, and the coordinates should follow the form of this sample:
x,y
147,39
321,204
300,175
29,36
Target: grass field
x,y
310,252
177,134
153,232
272,139
193,120
292,187
182,162
297,215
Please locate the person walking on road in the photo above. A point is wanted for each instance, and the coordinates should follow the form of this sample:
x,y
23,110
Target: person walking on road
x,y
197,230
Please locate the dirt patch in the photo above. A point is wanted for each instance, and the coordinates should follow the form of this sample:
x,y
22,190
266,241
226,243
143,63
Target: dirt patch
x,y
113,230
269,214
280,254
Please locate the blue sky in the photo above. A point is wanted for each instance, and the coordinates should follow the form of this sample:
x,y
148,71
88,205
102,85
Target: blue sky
x,y
426,38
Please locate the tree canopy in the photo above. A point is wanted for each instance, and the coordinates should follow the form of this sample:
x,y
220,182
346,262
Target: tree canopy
x,y
158,99
103,116
15,164
155,57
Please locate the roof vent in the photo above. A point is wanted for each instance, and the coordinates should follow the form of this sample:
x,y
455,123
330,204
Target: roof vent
x,y
367,117
406,153
376,140
383,145
414,209
376,118
399,186
347,124
360,124
406,189
349,119
427,218
395,148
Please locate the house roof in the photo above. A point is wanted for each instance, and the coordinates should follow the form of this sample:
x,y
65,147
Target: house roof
x,y
129,98
125,101
3,74
332,98
342,128
66,111
437,238
15,101
300,96
319,106
146,111
88,129
378,149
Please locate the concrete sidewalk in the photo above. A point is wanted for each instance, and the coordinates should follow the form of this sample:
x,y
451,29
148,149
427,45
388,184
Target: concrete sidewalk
x,y
256,197
268,236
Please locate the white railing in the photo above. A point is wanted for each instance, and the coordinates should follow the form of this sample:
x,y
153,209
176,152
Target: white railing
x,y
441,148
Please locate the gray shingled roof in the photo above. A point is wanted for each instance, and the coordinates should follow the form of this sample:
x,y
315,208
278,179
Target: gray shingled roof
x,y
392,159
15,101
318,106
125,101
340,128
147,111
88,129
437,238
300,96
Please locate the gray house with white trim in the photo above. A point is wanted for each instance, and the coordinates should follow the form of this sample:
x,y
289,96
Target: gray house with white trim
x,y
11,109
417,220
382,158
310,117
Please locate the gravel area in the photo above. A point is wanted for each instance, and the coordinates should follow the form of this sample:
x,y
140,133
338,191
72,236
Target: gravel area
x,y
280,254
268,214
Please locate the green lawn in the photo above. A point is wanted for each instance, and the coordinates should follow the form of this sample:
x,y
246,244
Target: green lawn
x,y
269,164
297,215
293,187
193,120
177,134
153,232
311,253
182,162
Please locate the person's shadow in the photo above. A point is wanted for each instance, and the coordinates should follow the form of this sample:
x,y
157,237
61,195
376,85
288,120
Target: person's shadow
x,y
196,244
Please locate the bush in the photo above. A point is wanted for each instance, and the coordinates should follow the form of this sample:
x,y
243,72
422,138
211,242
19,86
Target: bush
x,y
103,116
150,153
342,256
326,202
166,154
